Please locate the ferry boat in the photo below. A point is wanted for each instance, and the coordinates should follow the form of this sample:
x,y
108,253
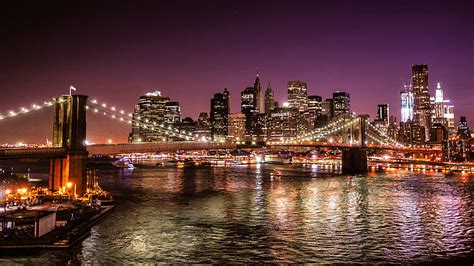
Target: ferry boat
x,y
123,163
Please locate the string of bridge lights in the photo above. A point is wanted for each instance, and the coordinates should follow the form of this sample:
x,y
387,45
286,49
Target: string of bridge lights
x,y
113,113
26,110
390,140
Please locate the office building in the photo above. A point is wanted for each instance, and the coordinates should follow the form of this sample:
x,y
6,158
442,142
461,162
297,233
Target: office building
x,y
421,95
219,115
341,103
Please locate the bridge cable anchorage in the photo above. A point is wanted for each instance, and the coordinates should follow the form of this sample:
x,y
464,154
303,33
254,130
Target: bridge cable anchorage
x,y
128,118
24,110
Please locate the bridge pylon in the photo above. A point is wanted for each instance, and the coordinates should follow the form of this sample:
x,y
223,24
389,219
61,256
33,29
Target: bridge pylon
x,y
354,159
69,173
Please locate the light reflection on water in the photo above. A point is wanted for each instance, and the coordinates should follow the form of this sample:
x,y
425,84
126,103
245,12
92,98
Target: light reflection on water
x,y
278,214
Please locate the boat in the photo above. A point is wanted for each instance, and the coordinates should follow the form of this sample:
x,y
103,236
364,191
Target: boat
x,y
123,163
104,199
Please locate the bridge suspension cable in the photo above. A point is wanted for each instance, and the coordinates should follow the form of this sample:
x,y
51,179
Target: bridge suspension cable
x,y
113,113
26,110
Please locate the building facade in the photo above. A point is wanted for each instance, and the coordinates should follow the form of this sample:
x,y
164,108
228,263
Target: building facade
x,y
421,95
151,111
341,103
219,115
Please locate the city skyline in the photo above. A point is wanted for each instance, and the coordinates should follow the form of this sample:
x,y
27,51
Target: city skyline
x,y
188,51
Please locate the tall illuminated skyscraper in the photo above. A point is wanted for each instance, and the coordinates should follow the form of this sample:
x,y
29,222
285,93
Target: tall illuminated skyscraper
x,y
298,95
258,90
421,95
341,103
406,96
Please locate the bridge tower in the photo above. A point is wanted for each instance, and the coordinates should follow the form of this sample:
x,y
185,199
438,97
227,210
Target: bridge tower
x,y
354,159
70,133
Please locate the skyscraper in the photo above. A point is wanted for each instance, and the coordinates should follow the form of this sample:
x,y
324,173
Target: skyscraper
x,y
406,96
269,99
463,129
314,109
282,124
422,106
298,95
382,117
172,114
236,127
258,91
248,100
150,110
383,112
438,106
341,103
220,109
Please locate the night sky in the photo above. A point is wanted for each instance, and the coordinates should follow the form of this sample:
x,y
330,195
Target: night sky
x,y
191,49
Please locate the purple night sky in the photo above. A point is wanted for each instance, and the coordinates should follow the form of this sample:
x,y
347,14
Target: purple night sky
x,y
191,49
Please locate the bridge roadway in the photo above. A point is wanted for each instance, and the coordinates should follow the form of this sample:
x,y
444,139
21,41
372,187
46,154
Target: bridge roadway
x,y
320,144
19,153
111,149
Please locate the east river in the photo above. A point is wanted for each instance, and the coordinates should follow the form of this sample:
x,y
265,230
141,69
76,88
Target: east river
x,y
277,213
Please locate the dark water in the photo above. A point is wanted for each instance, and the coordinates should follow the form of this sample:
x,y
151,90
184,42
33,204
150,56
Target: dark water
x,y
278,214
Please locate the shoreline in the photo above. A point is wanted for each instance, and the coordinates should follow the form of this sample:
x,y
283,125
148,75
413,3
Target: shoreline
x,y
67,241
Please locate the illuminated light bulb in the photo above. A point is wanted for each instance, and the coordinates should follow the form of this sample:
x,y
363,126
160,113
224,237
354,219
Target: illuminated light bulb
x,y
94,101
122,112
113,108
95,110
104,105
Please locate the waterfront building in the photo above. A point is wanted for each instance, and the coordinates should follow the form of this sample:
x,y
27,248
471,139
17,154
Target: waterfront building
x,y
219,115
151,110
341,103
421,95
406,96
236,128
